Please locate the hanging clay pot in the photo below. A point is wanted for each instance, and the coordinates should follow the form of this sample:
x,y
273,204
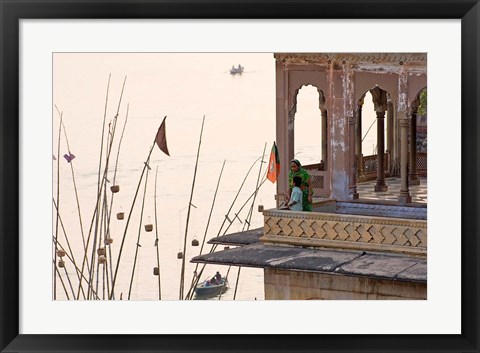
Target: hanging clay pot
x,y
180,255
61,263
61,253
120,215
156,271
148,227
195,242
108,240
115,188
101,251
102,260
260,208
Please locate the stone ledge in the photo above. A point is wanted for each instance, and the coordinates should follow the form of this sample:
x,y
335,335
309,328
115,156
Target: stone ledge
x,y
240,238
355,263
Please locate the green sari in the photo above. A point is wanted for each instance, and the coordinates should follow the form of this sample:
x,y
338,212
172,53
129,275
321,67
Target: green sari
x,y
307,206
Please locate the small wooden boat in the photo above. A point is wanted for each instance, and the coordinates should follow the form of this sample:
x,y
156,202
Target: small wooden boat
x,y
236,70
207,289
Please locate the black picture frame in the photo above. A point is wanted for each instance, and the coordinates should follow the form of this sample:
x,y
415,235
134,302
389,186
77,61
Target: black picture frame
x,y
12,11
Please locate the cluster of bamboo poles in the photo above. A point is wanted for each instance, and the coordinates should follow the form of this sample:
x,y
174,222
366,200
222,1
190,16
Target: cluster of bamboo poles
x,y
96,275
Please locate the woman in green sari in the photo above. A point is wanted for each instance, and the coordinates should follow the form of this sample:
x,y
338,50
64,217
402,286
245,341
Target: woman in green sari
x,y
297,170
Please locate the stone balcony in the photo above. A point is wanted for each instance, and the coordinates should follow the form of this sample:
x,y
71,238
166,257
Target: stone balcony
x,y
327,227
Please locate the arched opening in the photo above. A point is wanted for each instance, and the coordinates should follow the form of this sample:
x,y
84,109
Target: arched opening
x,y
422,122
373,139
418,138
308,128
311,136
369,127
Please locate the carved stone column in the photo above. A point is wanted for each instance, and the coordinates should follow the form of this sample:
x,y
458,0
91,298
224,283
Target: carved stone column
x,y
352,157
413,175
390,134
405,196
358,140
380,103
283,126
381,186
324,139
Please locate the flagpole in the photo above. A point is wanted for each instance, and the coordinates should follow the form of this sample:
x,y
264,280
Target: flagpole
x,y
182,275
156,237
139,234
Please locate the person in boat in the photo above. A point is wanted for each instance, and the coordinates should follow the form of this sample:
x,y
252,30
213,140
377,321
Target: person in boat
x,y
296,198
306,187
218,277
233,68
213,281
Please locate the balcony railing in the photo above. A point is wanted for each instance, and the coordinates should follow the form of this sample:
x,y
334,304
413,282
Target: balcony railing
x,y
343,231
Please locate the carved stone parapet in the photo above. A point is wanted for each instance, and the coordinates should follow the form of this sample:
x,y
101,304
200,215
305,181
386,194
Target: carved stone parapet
x,y
349,58
352,232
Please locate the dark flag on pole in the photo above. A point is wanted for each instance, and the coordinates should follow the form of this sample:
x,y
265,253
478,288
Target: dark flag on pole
x,y
273,165
161,138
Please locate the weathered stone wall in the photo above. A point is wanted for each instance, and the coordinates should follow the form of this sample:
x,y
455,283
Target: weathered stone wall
x,y
295,285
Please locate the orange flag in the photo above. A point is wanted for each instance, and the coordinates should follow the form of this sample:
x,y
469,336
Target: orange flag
x,y
161,138
273,164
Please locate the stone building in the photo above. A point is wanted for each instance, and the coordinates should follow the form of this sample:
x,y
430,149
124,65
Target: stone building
x,y
367,235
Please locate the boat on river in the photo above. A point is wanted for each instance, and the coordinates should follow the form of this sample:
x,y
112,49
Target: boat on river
x,y
207,289
236,70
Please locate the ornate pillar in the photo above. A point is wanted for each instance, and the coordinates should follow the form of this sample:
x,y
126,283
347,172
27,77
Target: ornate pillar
x,y
390,134
413,175
283,140
380,103
324,139
381,186
404,190
358,139
352,157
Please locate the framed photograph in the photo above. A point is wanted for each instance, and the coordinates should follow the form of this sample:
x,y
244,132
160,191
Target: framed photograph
x,y
170,74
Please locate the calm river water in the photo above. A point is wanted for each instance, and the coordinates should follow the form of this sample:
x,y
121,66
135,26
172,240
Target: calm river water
x,y
239,115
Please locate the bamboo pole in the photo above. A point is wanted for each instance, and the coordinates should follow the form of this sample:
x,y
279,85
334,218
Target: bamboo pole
x,y
224,220
224,284
156,237
127,223
139,233
61,279
182,275
214,246
249,216
206,228
95,214
58,244
69,281
74,181
103,226
110,260
69,247
58,200
99,188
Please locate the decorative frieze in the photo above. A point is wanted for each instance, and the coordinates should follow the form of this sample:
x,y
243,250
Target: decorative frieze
x,y
315,229
351,58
